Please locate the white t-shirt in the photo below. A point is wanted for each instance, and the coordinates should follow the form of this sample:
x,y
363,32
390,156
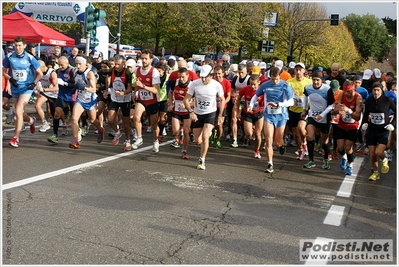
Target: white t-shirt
x,y
205,96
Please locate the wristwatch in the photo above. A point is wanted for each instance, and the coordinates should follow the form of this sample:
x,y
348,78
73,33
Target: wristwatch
x,y
190,111
143,86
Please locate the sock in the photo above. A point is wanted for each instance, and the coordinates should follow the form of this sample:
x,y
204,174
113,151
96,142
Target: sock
x,y
76,139
56,124
31,121
310,149
326,148
270,162
203,160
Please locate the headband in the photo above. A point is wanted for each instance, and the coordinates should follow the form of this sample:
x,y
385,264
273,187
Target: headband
x,y
348,87
81,60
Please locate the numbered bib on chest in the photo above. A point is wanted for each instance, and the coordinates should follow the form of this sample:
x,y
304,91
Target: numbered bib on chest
x,y
274,110
145,95
377,118
348,118
203,104
255,107
298,101
20,75
178,107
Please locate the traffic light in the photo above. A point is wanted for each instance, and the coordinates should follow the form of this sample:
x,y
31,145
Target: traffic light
x,y
92,19
334,19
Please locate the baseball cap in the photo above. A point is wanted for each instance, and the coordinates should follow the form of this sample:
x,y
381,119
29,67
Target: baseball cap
x,y
206,70
390,74
334,84
357,78
377,73
190,65
279,64
256,63
226,66
300,64
97,54
234,67
10,47
317,74
31,45
256,70
139,63
131,63
367,74
172,57
292,65
262,65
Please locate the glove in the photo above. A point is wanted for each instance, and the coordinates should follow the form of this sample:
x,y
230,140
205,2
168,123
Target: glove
x,y
389,127
80,86
60,81
31,86
13,82
365,126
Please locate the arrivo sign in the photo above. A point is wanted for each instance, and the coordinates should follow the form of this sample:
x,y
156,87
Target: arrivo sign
x,y
54,18
57,42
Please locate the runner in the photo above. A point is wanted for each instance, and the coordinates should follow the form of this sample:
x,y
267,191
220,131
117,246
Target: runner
x,y
86,100
349,108
23,74
252,116
377,121
321,100
206,91
278,97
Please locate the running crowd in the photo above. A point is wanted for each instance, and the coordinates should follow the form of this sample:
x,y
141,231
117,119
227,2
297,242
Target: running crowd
x,y
313,109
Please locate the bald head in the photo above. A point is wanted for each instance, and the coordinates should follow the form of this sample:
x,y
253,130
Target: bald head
x,y
182,64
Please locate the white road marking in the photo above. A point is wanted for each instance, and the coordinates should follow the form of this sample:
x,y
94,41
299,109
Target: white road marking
x,y
334,215
320,241
76,167
346,187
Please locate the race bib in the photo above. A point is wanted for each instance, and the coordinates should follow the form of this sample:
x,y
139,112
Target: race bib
x,y
348,118
274,110
298,102
145,95
178,107
255,107
203,104
314,113
377,118
20,75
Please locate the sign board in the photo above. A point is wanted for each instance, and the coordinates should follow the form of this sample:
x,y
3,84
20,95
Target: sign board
x,y
198,57
270,19
266,46
266,33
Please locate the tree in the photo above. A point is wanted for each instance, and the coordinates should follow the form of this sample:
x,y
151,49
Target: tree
x,y
370,36
390,24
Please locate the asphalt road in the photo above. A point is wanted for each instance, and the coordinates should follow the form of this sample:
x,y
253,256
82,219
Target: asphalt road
x,y
102,205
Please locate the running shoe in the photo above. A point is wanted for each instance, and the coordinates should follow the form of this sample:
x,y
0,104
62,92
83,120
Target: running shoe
x,y
100,135
74,145
137,143
366,151
384,166
282,150
246,142
218,144
342,166
299,154
164,133
32,125
234,144
360,146
175,144
192,137
228,137
305,148
118,135
44,127
201,165
257,154
211,139
335,154
321,152
309,165
349,170
53,139
80,134
330,156
269,168
127,145
65,129
155,147
388,155
184,154
326,164
374,177
149,129
10,117
14,142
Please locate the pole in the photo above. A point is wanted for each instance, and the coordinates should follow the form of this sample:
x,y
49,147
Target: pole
x,y
119,28
293,27
87,43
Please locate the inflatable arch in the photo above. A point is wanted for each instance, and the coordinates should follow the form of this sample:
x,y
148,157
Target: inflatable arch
x,y
64,12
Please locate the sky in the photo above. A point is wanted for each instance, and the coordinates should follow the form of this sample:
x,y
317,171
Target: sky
x,y
380,9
